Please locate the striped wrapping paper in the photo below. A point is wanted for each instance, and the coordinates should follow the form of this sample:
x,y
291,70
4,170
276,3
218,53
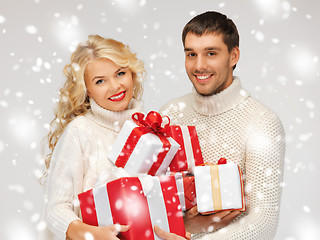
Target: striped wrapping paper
x,y
140,202
189,154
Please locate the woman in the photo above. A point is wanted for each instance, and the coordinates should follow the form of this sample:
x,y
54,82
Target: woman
x,y
104,83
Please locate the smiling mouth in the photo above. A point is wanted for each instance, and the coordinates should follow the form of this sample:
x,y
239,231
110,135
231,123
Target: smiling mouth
x,y
118,97
203,78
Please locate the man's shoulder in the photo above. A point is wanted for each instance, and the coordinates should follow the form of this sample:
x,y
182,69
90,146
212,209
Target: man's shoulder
x,y
263,112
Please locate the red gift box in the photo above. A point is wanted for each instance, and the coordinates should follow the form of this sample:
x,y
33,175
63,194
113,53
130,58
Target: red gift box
x,y
139,202
189,154
186,190
143,145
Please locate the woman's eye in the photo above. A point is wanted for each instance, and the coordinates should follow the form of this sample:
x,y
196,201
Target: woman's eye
x,y
121,74
99,81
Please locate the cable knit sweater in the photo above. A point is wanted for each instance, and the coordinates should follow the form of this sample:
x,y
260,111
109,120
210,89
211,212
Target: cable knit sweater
x,y
78,161
233,125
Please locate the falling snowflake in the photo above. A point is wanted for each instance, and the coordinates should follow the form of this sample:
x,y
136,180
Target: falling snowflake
x,y
41,226
4,104
156,26
1,147
275,40
259,36
306,209
35,217
17,188
31,29
79,7
309,104
305,137
142,3
2,19
221,5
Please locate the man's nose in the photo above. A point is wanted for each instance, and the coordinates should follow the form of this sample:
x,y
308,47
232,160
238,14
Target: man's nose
x,y
201,63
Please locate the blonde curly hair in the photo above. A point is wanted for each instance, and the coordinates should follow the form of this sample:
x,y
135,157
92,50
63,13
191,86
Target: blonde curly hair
x,y
74,100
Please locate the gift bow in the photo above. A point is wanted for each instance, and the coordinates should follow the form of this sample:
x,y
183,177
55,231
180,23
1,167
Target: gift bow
x,y
152,122
221,161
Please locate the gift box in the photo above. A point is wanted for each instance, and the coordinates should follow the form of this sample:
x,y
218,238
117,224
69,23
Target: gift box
x,y
143,145
219,187
186,189
140,202
189,154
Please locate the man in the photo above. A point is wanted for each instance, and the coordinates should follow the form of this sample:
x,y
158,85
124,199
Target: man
x,y
230,124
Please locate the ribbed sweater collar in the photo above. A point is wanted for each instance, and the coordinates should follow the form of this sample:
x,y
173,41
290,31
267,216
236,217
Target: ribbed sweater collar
x,y
110,119
219,103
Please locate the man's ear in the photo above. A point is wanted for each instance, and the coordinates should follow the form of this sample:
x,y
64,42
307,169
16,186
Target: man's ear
x,y
235,56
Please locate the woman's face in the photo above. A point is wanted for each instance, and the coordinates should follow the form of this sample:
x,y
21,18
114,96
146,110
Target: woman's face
x,y
110,85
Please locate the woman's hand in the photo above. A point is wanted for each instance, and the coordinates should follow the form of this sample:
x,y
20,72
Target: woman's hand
x,y
169,236
79,230
109,232
195,222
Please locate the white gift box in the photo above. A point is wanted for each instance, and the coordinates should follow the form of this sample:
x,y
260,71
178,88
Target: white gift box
x,y
145,152
219,187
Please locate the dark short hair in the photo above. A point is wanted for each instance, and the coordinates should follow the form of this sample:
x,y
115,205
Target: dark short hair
x,y
213,22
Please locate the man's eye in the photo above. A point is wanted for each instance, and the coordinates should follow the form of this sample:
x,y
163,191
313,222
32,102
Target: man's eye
x,y
211,54
191,54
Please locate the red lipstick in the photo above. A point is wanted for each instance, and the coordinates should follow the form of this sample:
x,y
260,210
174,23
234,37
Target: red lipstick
x,y
117,97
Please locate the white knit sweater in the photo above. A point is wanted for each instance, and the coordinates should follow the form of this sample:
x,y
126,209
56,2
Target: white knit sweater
x,y
235,126
78,161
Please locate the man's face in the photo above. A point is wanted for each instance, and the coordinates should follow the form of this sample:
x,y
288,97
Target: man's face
x,y
208,62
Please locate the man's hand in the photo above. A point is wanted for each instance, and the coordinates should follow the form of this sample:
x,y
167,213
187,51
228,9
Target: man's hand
x,y
195,222
169,236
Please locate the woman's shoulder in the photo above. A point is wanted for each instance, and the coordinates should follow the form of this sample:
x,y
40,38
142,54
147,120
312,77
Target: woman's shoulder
x,y
78,121
79,125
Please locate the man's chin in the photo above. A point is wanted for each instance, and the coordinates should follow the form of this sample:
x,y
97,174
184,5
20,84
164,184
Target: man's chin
x,y
204,92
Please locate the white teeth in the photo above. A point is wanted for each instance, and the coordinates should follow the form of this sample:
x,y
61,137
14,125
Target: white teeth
x,y
203,77
117,97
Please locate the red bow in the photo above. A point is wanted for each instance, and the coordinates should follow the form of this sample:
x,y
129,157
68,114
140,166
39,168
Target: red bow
x,y
222,161
153,122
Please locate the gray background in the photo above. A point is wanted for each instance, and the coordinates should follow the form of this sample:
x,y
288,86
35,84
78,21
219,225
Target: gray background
x,y
279,65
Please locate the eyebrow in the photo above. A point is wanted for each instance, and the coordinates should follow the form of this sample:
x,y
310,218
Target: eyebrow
x,y
120,69
97,77
114,72
207,49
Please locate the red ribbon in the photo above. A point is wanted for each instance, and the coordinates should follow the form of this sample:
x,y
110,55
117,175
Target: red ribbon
x,y
150,124
221,161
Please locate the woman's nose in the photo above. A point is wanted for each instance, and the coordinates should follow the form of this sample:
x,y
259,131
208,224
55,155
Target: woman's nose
x,y
114,84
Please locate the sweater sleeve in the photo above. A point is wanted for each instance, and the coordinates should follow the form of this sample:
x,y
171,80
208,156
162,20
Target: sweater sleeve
x,y
263,177
65,175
